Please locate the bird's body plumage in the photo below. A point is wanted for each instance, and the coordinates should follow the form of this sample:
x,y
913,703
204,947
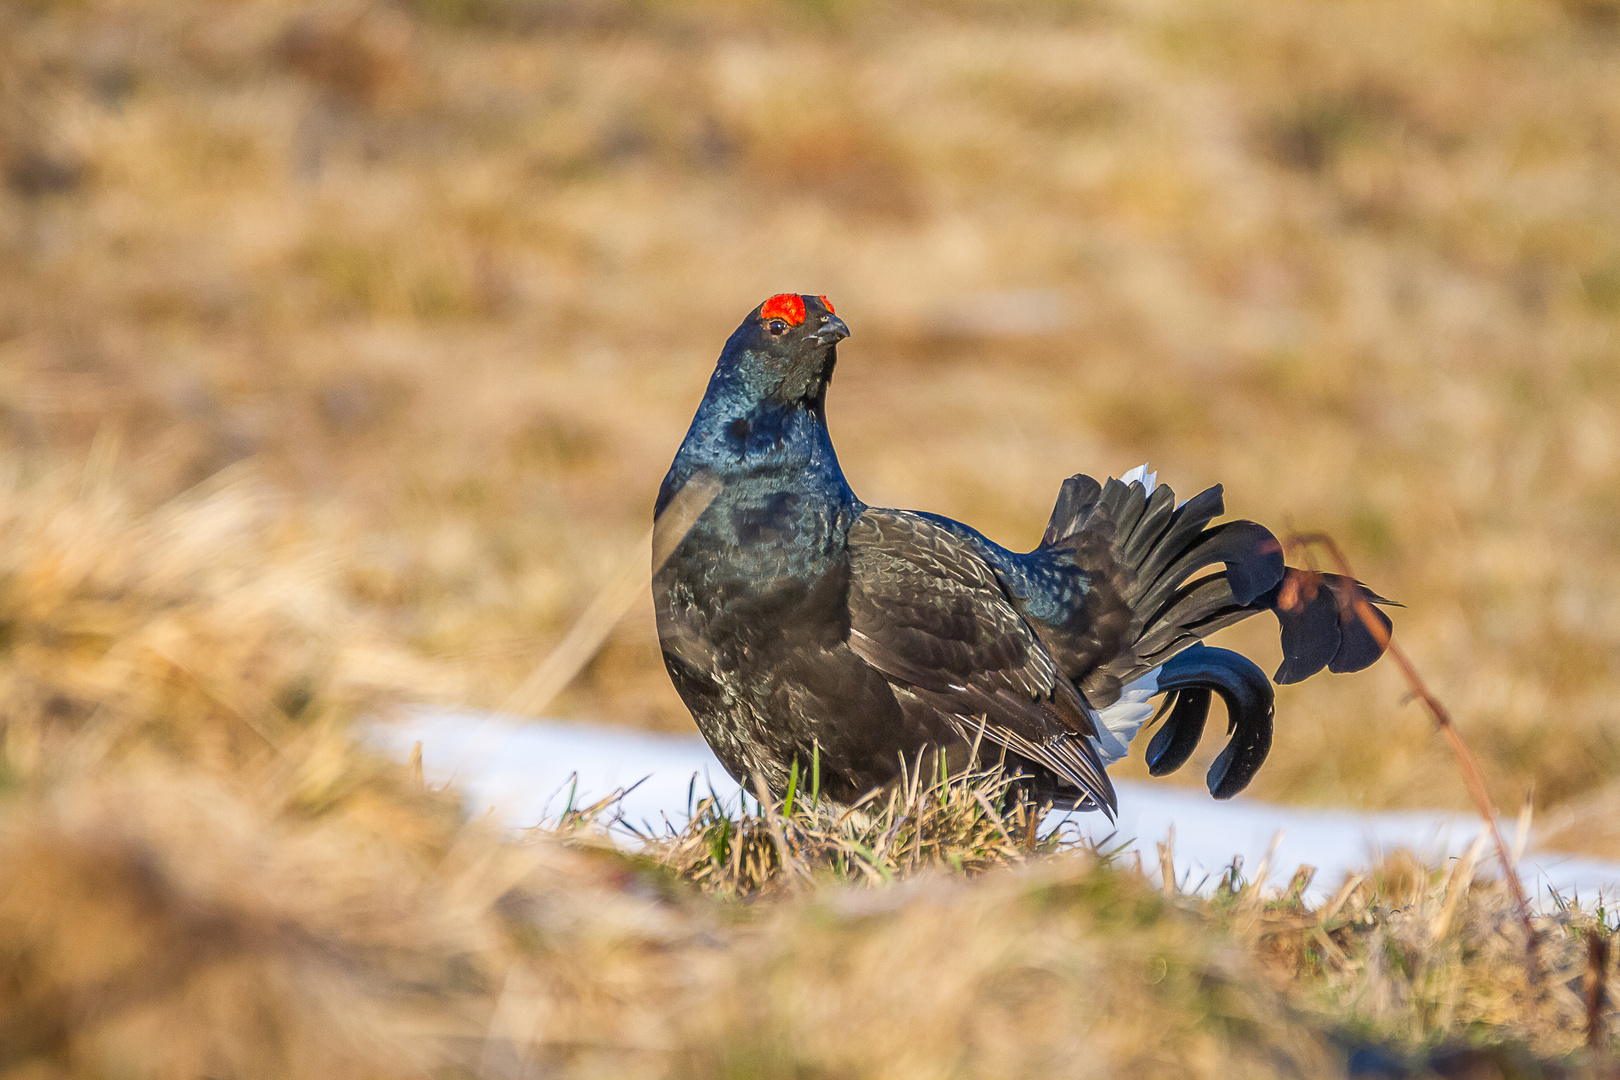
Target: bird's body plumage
x,y
797,622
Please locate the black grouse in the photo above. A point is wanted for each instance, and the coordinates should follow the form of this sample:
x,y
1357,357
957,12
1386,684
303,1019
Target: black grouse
x,y
796,621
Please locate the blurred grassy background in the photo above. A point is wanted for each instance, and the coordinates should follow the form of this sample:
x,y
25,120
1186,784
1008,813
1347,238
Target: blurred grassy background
x,y
441,282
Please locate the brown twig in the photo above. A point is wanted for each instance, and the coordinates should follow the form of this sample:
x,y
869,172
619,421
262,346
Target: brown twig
x,y
1597,985
1167,862
1299,883
1458,882
1032,836
1475,781
790,862
1340,898
1255,893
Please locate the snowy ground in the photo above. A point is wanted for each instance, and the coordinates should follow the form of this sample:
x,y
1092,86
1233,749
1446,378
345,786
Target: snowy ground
x,y
529,773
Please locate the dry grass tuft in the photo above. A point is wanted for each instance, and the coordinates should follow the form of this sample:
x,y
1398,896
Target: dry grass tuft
x,y
969,823
207,630
1424,957
1066,968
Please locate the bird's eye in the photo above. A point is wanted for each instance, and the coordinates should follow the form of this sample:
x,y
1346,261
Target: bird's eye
x,y
777,326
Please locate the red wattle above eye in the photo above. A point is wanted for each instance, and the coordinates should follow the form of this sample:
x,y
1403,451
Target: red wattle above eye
x,y
789,307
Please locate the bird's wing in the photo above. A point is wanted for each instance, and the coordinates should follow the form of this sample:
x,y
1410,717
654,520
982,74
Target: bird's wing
x,y
927,612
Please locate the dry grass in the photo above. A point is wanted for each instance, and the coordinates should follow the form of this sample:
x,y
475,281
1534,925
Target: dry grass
x,y
1421,956
968,824
342,346
202,875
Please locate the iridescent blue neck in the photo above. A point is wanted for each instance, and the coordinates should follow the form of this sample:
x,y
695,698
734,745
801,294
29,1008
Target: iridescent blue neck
x,y
741,435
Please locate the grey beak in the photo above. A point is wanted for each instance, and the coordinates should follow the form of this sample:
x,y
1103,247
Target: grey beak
x,y
832,331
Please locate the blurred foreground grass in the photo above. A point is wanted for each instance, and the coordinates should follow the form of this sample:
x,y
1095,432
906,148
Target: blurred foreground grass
x,y
201,874
342,348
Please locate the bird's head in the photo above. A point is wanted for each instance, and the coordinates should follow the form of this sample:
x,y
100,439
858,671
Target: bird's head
x,y
786,348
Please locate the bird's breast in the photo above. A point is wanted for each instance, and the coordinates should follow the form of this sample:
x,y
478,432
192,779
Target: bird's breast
x,y
753,540
757,559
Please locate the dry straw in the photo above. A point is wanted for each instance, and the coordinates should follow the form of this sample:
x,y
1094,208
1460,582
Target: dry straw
x,y
570,655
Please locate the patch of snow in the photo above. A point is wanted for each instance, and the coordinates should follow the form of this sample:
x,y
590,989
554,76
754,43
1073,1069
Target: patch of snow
x,y
527,774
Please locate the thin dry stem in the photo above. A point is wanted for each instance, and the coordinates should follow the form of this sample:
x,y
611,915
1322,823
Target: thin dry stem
x,y
1458,882
1340,898
1167,862
628,583
1466,763
1597,985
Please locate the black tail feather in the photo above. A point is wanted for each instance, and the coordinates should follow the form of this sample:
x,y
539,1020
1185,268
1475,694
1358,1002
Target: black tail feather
x,y
1076,499
1124,505
1253,558
1157,517
1359,647
1181,731
1319,628
1190,605
1158,549
1190,677
1169,578
1189,521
